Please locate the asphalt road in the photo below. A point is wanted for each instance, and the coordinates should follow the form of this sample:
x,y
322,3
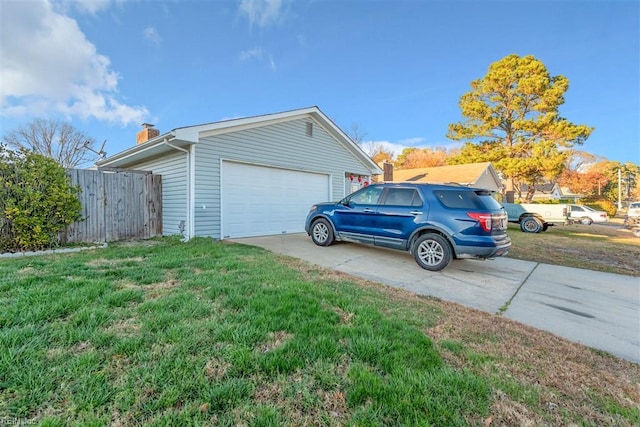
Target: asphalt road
x,y
599,310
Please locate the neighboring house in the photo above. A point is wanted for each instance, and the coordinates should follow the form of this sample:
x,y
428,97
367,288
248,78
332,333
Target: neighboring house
x,y
250,176
481,175
543,191
566,193
553,192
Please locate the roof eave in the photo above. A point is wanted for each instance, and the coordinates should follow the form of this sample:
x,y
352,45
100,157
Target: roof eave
x,y
191,134
147,149
341,136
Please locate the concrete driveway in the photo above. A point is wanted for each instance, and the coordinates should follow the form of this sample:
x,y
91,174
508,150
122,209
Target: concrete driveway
x,y
599,310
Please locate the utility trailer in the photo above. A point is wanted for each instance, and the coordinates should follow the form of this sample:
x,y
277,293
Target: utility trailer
x,y
534,218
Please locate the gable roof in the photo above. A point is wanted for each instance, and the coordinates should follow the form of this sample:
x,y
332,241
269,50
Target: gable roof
x,y
183,137
566,192
551,191
467,174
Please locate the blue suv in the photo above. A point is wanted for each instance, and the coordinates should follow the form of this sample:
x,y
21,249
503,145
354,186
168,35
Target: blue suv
x,y
434,222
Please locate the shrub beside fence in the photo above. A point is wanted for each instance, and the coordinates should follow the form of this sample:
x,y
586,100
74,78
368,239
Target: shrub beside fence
x,y
36,201
116,205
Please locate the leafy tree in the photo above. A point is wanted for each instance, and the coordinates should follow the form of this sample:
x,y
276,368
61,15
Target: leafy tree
x,y
59,141
511,118
627,187
402,157
382,155
421,158
588,181
37,201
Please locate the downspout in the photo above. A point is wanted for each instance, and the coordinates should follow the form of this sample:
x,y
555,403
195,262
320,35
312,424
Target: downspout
x,y
190,187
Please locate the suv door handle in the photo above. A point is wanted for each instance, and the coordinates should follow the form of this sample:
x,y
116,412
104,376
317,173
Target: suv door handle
x,y
415,213
367,210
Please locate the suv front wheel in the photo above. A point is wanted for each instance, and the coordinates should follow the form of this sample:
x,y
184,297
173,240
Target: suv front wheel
x,y
321,232
432,252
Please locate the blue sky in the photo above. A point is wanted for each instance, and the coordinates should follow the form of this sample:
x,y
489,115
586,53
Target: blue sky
x,y
395,69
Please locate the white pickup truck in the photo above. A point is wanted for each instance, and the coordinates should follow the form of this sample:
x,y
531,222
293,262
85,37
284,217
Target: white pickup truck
x,y
534,217
537,217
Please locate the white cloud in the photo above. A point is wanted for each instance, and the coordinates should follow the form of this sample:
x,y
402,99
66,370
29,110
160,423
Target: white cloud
x,y
262,12
396,148
416,141
90,6
255,53
48,66
391,147
151,34
259,55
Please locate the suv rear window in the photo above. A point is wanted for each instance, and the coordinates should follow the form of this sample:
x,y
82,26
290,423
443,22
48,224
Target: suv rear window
x,y
466,199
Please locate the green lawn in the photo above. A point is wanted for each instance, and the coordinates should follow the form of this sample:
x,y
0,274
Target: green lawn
x,y
204,333
592,247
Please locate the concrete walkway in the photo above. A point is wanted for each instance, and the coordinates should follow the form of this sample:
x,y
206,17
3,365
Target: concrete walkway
x,y
599,310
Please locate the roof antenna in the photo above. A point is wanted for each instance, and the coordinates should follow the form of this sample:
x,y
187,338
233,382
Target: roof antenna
x,y
101,153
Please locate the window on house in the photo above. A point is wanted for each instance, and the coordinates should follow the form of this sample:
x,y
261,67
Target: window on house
x,y
309,129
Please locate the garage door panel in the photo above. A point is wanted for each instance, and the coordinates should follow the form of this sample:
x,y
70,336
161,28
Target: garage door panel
x,y
260,201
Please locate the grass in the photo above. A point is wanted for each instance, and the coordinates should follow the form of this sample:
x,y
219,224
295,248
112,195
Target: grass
x,y
207,333
593,247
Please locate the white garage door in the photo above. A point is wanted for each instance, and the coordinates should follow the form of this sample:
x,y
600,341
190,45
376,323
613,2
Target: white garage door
x,y
261,201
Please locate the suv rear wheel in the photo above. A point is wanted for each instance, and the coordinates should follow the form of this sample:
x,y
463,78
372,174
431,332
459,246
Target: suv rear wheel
x,y
432,252
321,232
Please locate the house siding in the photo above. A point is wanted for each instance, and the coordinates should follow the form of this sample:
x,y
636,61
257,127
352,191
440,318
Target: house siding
x,y
284,145
173,168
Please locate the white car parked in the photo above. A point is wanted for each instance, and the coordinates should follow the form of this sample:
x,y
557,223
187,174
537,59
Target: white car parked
x,y
586,215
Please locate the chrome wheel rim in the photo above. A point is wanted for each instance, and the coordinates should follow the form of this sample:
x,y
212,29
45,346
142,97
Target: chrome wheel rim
x,y
430,252
531,225
320,233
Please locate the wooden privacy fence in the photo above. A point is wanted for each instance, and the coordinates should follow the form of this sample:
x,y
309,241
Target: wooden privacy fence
x,y
116,205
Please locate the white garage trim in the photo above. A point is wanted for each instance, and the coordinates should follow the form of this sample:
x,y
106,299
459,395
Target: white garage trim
x,y
261,200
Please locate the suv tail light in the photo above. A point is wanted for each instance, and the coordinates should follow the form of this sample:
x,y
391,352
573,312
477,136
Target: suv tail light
x,y
483,218
490,222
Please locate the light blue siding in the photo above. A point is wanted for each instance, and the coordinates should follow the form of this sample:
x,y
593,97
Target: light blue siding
x,y
173,168
284,145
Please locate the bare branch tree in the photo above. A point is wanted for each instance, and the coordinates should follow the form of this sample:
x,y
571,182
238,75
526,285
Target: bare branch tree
x,y
60,141
356,134
373,149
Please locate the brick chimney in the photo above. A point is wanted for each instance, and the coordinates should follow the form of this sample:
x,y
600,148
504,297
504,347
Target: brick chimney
x,y
388,171
148,132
